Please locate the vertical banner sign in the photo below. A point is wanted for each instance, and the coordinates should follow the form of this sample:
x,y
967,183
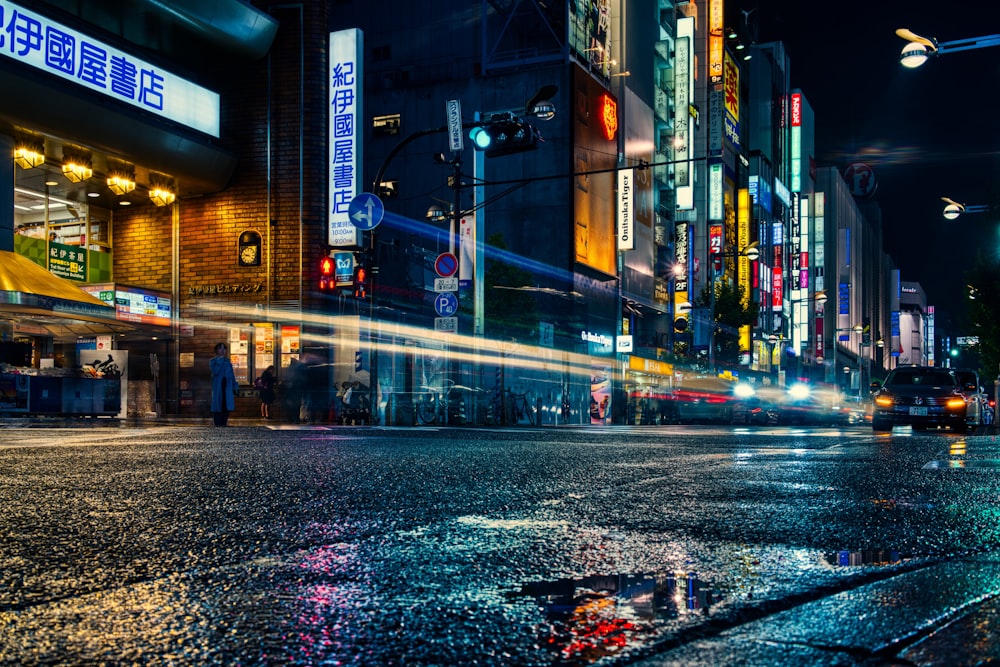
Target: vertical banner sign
x,y
742,241
683,87
796,142
456,140
346,112
715,207
715,36
843,309
732,97
626,202
681,259
742,261
715,240
776,293
466,249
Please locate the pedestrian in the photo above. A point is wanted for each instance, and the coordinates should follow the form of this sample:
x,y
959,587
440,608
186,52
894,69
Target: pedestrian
x,y
224,386
265,385
291,390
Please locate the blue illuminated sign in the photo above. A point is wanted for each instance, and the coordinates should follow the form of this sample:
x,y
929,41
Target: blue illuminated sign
x,y
345,97
41,43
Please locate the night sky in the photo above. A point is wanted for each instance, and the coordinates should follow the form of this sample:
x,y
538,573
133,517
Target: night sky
x,y
928,132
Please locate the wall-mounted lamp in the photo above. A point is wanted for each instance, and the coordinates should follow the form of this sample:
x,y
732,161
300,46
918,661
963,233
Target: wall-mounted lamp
x,y
162,196
27,156
77,169
121,183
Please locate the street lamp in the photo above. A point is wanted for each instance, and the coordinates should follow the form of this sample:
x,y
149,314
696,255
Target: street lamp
x,y
918,49
953,209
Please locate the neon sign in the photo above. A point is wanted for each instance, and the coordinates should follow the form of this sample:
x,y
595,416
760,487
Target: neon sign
x,y
609,116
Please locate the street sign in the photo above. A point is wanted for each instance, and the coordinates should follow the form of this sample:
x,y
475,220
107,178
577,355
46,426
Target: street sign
x,y
455,139
366,211
446,284
446,304
446,264
446,324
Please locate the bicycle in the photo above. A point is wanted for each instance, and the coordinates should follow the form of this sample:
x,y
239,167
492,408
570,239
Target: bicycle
x,y
520,409
434,404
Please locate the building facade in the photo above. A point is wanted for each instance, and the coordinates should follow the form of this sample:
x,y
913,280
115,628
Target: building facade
x,y
575,269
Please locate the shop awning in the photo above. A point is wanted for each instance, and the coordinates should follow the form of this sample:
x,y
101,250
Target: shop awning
x,y
42,303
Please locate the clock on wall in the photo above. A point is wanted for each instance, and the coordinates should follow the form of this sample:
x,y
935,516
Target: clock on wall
x,y
249,249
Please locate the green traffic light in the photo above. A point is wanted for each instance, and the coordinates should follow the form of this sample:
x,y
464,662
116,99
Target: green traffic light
x,y
481,138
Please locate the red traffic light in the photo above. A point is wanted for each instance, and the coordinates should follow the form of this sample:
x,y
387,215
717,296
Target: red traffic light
x,y
326,273
360,281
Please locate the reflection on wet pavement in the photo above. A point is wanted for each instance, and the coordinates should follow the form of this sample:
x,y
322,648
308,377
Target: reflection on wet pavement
x,y
598,616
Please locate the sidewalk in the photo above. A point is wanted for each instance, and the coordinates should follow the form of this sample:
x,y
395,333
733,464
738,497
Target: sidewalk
x,y
939,615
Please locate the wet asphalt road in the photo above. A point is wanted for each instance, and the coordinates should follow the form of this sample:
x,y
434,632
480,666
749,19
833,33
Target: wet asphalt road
x,y
187,545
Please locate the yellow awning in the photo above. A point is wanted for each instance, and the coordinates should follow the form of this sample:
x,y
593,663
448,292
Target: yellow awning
x,y
43,303
20,274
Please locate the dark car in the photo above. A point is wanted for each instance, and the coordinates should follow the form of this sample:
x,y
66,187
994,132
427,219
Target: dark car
x,y
921,396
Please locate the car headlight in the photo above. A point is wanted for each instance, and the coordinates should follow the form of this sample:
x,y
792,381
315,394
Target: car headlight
x,y
884,401
799,391
743,390
957,402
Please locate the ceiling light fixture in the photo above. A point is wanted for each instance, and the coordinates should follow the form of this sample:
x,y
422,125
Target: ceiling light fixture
x,y
27,156
162,196
120,183
76,171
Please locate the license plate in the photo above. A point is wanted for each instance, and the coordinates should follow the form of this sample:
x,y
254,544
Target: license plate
x,y
918,412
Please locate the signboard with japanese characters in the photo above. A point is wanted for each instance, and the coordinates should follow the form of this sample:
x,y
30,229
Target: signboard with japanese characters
x,y
68,261
37,41
346,94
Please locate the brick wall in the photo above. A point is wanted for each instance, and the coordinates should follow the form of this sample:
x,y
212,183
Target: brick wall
x,y
278,190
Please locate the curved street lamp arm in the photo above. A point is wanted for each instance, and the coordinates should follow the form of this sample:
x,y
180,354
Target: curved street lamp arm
x,y
968,44
377,183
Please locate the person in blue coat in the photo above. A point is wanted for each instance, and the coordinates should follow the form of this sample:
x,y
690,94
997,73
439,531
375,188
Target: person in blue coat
x,y
224,386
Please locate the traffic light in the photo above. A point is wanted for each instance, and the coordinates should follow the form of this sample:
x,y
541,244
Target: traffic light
x,y
360,280
504,137
327,279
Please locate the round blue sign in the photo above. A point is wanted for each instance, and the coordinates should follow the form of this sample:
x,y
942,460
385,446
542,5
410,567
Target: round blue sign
x,y
446,304
446,264
366,211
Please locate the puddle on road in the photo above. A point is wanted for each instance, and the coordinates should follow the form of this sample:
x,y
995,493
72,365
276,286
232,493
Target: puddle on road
x,y
595,617
591,618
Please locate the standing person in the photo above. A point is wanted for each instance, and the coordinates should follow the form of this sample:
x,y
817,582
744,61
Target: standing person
x,y
223,385
292,387
265,383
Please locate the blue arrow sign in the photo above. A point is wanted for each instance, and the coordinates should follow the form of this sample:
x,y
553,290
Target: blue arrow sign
x,y
366,211
446,304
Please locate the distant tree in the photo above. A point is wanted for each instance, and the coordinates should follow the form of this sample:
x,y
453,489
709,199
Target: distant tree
x,y
511,312
732,310
984,313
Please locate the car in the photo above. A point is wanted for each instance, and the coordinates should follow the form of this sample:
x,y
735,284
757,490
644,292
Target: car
x,y
977,401
755,405
806,405
921,397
